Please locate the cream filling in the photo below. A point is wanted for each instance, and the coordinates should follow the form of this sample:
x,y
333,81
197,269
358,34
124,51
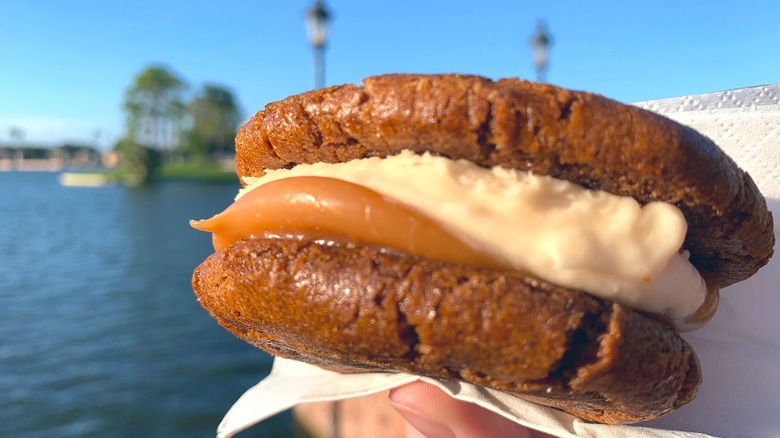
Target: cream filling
x,y
607,245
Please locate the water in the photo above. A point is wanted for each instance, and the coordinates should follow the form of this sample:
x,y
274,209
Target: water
x,y
100,333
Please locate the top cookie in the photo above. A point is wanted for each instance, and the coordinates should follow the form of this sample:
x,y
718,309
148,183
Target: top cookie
x,y
581,137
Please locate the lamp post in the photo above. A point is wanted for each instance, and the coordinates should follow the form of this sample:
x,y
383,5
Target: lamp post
x,y
318,18
541,42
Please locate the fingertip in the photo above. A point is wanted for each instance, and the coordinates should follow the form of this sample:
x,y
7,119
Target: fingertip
x,y
417,394
435,414
414,402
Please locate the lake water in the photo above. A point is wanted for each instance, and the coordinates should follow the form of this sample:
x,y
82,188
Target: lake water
x,y
100,333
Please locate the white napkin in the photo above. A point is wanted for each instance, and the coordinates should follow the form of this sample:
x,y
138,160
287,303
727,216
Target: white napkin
x,y
739,349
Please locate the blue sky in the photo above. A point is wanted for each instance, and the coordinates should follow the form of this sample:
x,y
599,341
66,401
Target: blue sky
x,y
64,65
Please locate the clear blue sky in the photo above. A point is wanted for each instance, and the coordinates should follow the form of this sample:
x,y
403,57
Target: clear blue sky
x,y
64,65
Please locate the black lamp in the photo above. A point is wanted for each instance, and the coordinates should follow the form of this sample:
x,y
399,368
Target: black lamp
x,y
541,42
318,18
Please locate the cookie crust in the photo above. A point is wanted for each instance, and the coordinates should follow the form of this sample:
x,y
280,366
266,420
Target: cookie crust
x,y
581,137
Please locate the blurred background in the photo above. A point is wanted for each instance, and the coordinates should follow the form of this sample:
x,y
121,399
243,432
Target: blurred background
x,y
116,128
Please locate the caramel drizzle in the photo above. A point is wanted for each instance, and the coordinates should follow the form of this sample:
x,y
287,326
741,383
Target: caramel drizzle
x,y
707,310
321,208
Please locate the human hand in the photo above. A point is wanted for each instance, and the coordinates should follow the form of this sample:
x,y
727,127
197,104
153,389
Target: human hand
x,y
432,413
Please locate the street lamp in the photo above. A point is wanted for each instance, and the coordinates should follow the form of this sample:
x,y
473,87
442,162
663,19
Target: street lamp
x,y
318,18
541,42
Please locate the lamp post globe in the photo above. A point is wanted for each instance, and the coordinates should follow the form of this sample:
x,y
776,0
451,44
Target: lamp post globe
x,y
318,19
541,42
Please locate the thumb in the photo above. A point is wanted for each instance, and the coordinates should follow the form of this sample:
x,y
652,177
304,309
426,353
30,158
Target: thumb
x,y
432,413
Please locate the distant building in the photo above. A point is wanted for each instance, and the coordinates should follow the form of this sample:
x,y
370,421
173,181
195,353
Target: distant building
x,y
47,159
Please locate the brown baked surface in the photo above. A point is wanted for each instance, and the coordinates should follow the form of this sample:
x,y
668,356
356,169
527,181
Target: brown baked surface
x,y
581,137
362,308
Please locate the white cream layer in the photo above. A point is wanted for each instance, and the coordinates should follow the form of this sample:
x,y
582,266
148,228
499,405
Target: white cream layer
x,y
607,245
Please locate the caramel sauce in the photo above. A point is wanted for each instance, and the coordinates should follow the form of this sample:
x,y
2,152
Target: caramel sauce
x,y
333,209
707,310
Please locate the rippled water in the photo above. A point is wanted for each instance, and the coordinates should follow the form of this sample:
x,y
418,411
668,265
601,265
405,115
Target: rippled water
x,y
100,333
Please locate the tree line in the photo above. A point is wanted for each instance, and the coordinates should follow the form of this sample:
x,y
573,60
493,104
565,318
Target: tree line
x,y
161,123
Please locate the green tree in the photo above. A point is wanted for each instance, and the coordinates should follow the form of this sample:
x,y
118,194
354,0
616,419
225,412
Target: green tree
x,y
214,117
140,163
154,108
